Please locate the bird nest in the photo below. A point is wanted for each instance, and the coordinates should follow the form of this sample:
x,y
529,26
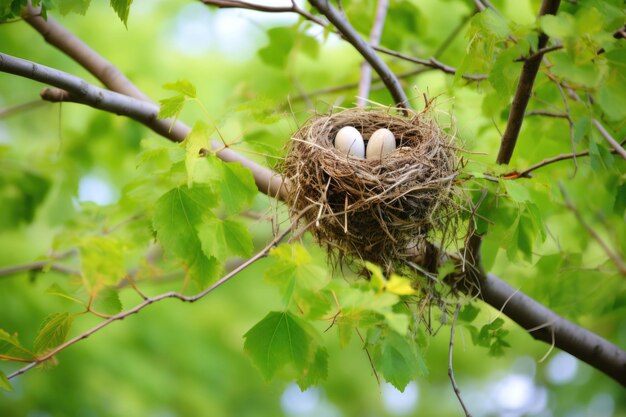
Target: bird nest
x,y
386,210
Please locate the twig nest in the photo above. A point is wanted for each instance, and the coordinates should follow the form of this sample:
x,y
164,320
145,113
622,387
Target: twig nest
x,y
380,209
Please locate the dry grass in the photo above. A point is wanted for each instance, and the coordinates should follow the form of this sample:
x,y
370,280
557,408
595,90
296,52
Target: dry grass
x,y
384,211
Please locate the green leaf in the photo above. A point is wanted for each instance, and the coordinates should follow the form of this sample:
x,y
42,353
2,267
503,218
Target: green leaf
x,y
171,107
53,331
55,289
122,8
317,371
399,361
298,279
73,6
232,182
279,340
468,313
102,260
560,26
195,141
11,346
276,52
183,87
21,193
587,74
107,301
223,238
178,215
516,191
4,382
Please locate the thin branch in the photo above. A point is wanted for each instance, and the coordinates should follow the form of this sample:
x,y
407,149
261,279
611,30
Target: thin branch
x,y
388,77
375,34
610,139
59,37
457,391
37,266
524,90
603,132
547,113
29,105
563,157
432,62
539,53
75,89
149,301
614,256
236,4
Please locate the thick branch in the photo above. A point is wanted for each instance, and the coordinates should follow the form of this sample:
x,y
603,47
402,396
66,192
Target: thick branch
x,y
545,325
78,90
387,76
524,90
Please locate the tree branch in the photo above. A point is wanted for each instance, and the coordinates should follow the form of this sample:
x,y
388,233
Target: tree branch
x,y
545,325
149,301
531,315
79,51
563,157
610,139
524,90
431,63
388,77
78,90
375,34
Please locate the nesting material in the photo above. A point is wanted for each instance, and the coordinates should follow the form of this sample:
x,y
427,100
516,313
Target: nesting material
x,y
380,210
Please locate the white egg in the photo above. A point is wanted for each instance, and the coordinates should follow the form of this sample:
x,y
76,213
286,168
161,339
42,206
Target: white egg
x,y
349,141
381,143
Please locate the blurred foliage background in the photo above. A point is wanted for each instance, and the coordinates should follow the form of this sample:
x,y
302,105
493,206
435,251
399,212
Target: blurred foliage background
x,y
256,74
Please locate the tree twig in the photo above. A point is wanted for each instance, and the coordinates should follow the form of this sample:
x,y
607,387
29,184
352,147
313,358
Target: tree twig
x,y
610,139
149,301
59,37
431,63
29,105
563,157
388,77
457,391
365,81
614,256
73,89
524,90
79,51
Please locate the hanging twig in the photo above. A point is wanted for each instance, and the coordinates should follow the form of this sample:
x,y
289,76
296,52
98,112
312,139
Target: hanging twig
x,y
457,391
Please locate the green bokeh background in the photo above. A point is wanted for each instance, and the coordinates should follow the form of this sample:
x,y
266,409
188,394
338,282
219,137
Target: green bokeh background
x,y
176,359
